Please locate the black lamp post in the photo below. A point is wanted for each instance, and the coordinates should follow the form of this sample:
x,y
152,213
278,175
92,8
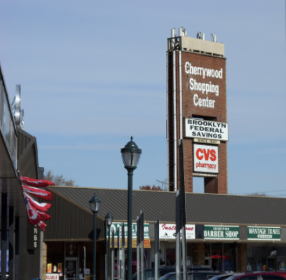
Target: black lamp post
x,y
109,220
130,156
94,207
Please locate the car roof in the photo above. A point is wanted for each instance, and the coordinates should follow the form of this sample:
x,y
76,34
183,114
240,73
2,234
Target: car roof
x,y
197,272
279,273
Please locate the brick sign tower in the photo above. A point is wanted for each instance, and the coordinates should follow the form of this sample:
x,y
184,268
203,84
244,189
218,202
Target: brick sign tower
x,y
196,111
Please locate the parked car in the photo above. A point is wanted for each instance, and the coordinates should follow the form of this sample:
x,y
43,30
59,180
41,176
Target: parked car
x,y
260,276
193,275
150,274
225,276
199,267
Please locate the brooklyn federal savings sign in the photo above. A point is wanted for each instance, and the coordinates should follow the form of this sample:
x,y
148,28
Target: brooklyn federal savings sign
x,y
197,128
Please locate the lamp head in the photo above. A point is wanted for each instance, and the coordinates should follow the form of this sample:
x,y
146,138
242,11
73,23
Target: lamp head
x,y
94,204
131,154
109,219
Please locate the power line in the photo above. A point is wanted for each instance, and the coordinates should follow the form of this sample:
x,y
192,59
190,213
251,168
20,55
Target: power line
x,y
262,192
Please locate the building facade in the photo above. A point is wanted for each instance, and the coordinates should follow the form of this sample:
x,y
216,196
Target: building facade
x,y
226,232
18,153
197,111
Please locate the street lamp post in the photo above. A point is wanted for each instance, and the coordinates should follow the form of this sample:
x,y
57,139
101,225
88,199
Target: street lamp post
x,y
109,220
130,156
94,207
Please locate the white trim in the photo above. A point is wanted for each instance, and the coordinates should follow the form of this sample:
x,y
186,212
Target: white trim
x,y
180,86
175,121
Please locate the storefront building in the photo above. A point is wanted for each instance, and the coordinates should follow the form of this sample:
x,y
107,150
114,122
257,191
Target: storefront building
x,y
225,232
18,151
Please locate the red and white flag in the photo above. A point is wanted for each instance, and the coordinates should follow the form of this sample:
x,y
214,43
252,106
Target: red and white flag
x,y
36,182
37,205
32,214
42,215
46,195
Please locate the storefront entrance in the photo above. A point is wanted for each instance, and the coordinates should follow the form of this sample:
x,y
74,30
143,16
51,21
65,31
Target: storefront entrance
x,y
221,256
71,265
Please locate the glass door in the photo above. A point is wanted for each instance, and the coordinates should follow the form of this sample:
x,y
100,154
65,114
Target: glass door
x,y
71,269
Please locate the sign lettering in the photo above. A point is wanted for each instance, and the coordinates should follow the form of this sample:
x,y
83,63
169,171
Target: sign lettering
x,y
168,231
195,128
206,87
221,232
263,233
116,227
205,158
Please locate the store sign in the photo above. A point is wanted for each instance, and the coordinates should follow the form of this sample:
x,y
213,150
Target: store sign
x,y
221,232
195,128
204,82
206,141
147,243
71,249
117,226
205,158
54,276
32,237
263,233
168,231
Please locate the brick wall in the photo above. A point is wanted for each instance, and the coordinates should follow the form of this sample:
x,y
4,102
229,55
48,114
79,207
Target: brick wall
x,y
44,264
198,253
241,256
218,113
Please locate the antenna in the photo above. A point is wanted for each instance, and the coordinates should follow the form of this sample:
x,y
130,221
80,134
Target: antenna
x,y
201,35
185,31
213,37
173,35
182,32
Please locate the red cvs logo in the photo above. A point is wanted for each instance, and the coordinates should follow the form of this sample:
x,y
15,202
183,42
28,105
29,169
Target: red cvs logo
x,y
206,153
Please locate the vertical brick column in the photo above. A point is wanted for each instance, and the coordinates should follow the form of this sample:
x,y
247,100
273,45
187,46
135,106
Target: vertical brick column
x,y
198,253
192,109
241,256
211,185
44,264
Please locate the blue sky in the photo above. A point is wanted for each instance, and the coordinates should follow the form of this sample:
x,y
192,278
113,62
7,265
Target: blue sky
x,y
93,74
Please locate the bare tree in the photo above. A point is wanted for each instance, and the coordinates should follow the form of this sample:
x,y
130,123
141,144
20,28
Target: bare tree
x,y
149,188
59,180
258,194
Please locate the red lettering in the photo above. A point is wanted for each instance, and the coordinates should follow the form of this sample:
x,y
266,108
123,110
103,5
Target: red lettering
x,y
168,228
197,154
213,155
207,154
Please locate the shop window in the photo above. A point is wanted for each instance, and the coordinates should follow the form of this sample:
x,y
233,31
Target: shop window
x,y
55,258
208,254
262,257
229,257
216,256
170,257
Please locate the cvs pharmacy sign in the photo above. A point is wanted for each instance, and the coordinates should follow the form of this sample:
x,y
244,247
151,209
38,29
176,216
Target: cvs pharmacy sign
x,y
205,158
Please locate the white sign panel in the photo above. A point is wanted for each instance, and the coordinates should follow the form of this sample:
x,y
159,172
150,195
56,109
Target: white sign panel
x,y
168,231
195,128
52,276
205,158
